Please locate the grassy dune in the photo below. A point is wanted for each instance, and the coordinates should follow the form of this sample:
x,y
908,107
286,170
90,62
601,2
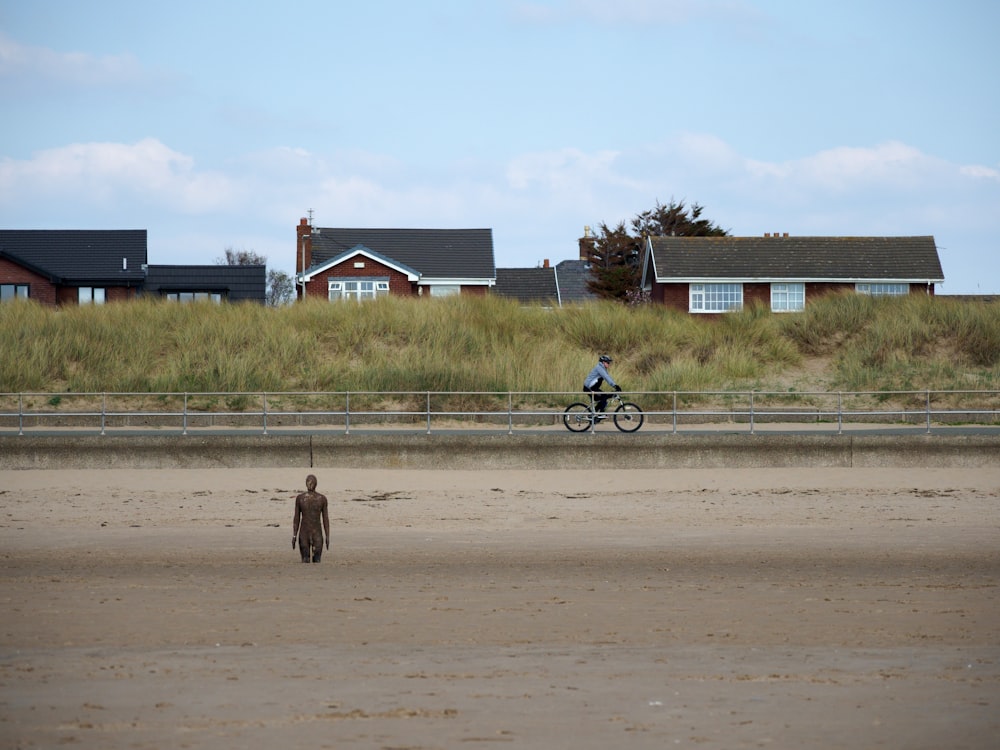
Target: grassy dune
x,y
848,343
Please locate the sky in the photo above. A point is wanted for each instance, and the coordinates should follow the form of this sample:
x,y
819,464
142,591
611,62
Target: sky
x,y
218,124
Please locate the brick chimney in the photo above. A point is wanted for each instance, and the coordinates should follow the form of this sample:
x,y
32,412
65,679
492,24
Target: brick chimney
x,y
303,246
545,263
587,244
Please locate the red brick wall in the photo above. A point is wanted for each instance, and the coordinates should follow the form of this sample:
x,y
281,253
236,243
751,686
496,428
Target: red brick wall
x,y
40,289
319,286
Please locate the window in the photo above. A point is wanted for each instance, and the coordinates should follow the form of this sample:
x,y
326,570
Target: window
x,y
716,297
444,290
788,297
90,295
194,296
12,291
358,289
883,290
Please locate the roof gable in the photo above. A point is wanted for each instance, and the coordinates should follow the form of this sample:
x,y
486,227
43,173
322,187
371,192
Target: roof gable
x,y
460,254
366,252
676,259
113,257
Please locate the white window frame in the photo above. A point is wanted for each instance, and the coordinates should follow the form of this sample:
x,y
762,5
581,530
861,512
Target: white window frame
x,y
883,289
788,296
91,295
712,298
359,289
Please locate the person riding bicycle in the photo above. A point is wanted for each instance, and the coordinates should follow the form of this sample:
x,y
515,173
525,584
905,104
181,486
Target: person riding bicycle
x,y
592,383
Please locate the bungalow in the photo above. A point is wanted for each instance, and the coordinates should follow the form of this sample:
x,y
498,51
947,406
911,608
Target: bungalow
x,y
216,283
334,263
84,266
73,266
718,274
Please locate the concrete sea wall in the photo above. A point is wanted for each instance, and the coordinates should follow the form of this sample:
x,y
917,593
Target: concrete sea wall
x,y
496,451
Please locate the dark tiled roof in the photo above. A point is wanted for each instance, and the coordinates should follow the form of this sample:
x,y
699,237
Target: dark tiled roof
x,y
572,277
797,258
527,285
79,256
235,283
434,253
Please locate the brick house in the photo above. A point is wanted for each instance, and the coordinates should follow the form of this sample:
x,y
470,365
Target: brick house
x,y
86,266
334,263
74,266
718,274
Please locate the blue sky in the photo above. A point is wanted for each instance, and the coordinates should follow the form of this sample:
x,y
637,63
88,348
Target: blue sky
x,y
219,124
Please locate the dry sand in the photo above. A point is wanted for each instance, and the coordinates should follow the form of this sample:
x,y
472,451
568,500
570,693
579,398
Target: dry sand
x,y
783,608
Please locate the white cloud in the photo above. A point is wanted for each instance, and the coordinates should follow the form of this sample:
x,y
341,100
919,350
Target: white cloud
x,y
95,173
20,61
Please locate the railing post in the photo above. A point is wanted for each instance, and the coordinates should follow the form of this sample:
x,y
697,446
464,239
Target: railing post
x,y
674,416
104,411
347,412
184,421
928,410
263,407
20,413
428,412
840,413
751,413
510,413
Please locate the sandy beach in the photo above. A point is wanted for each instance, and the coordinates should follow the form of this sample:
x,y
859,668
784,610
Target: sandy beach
x,y
821,608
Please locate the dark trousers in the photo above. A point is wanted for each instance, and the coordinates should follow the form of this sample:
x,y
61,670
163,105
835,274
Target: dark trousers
x,y
600,398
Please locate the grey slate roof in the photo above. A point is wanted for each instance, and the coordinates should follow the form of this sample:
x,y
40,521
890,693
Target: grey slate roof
x,y
434,253
528,285
572,277
79,256
235,283
903,259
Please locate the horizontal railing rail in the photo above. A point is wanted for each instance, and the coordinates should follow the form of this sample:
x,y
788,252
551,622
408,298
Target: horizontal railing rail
x,y
426,410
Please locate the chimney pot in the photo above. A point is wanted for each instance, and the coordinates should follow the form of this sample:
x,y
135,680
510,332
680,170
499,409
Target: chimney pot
x,y
785,234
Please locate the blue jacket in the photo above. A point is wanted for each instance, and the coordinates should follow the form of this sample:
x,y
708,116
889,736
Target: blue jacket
x,y
596,376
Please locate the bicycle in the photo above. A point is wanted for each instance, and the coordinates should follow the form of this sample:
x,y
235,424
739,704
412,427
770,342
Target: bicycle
x,y
628,417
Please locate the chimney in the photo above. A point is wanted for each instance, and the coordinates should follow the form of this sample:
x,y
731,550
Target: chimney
x,y
767,234
785,234
587,244
545,263
303,246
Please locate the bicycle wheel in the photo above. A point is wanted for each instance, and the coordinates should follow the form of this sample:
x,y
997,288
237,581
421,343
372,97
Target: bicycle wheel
x,y
577,417
628,417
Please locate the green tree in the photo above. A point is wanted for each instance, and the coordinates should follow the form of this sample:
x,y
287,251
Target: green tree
x,y
280,290
616,252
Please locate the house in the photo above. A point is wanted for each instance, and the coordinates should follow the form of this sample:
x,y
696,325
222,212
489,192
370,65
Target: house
x,y
217,283
718,274
73,266
85,266
555,286
334,263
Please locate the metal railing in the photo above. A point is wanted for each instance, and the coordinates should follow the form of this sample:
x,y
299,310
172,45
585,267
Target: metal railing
x,y
347,411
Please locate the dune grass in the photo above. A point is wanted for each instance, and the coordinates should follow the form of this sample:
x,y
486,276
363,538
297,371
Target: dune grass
x,y
489,344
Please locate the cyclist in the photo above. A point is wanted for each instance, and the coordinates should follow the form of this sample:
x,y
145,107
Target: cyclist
x,y
592,383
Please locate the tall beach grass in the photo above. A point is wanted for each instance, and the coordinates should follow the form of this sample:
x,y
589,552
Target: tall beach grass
x,y
492,344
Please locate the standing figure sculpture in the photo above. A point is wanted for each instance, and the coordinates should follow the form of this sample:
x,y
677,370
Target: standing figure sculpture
x,y
310,508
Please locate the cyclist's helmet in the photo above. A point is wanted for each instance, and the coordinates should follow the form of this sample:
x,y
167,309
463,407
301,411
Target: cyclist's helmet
x,y
605,359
